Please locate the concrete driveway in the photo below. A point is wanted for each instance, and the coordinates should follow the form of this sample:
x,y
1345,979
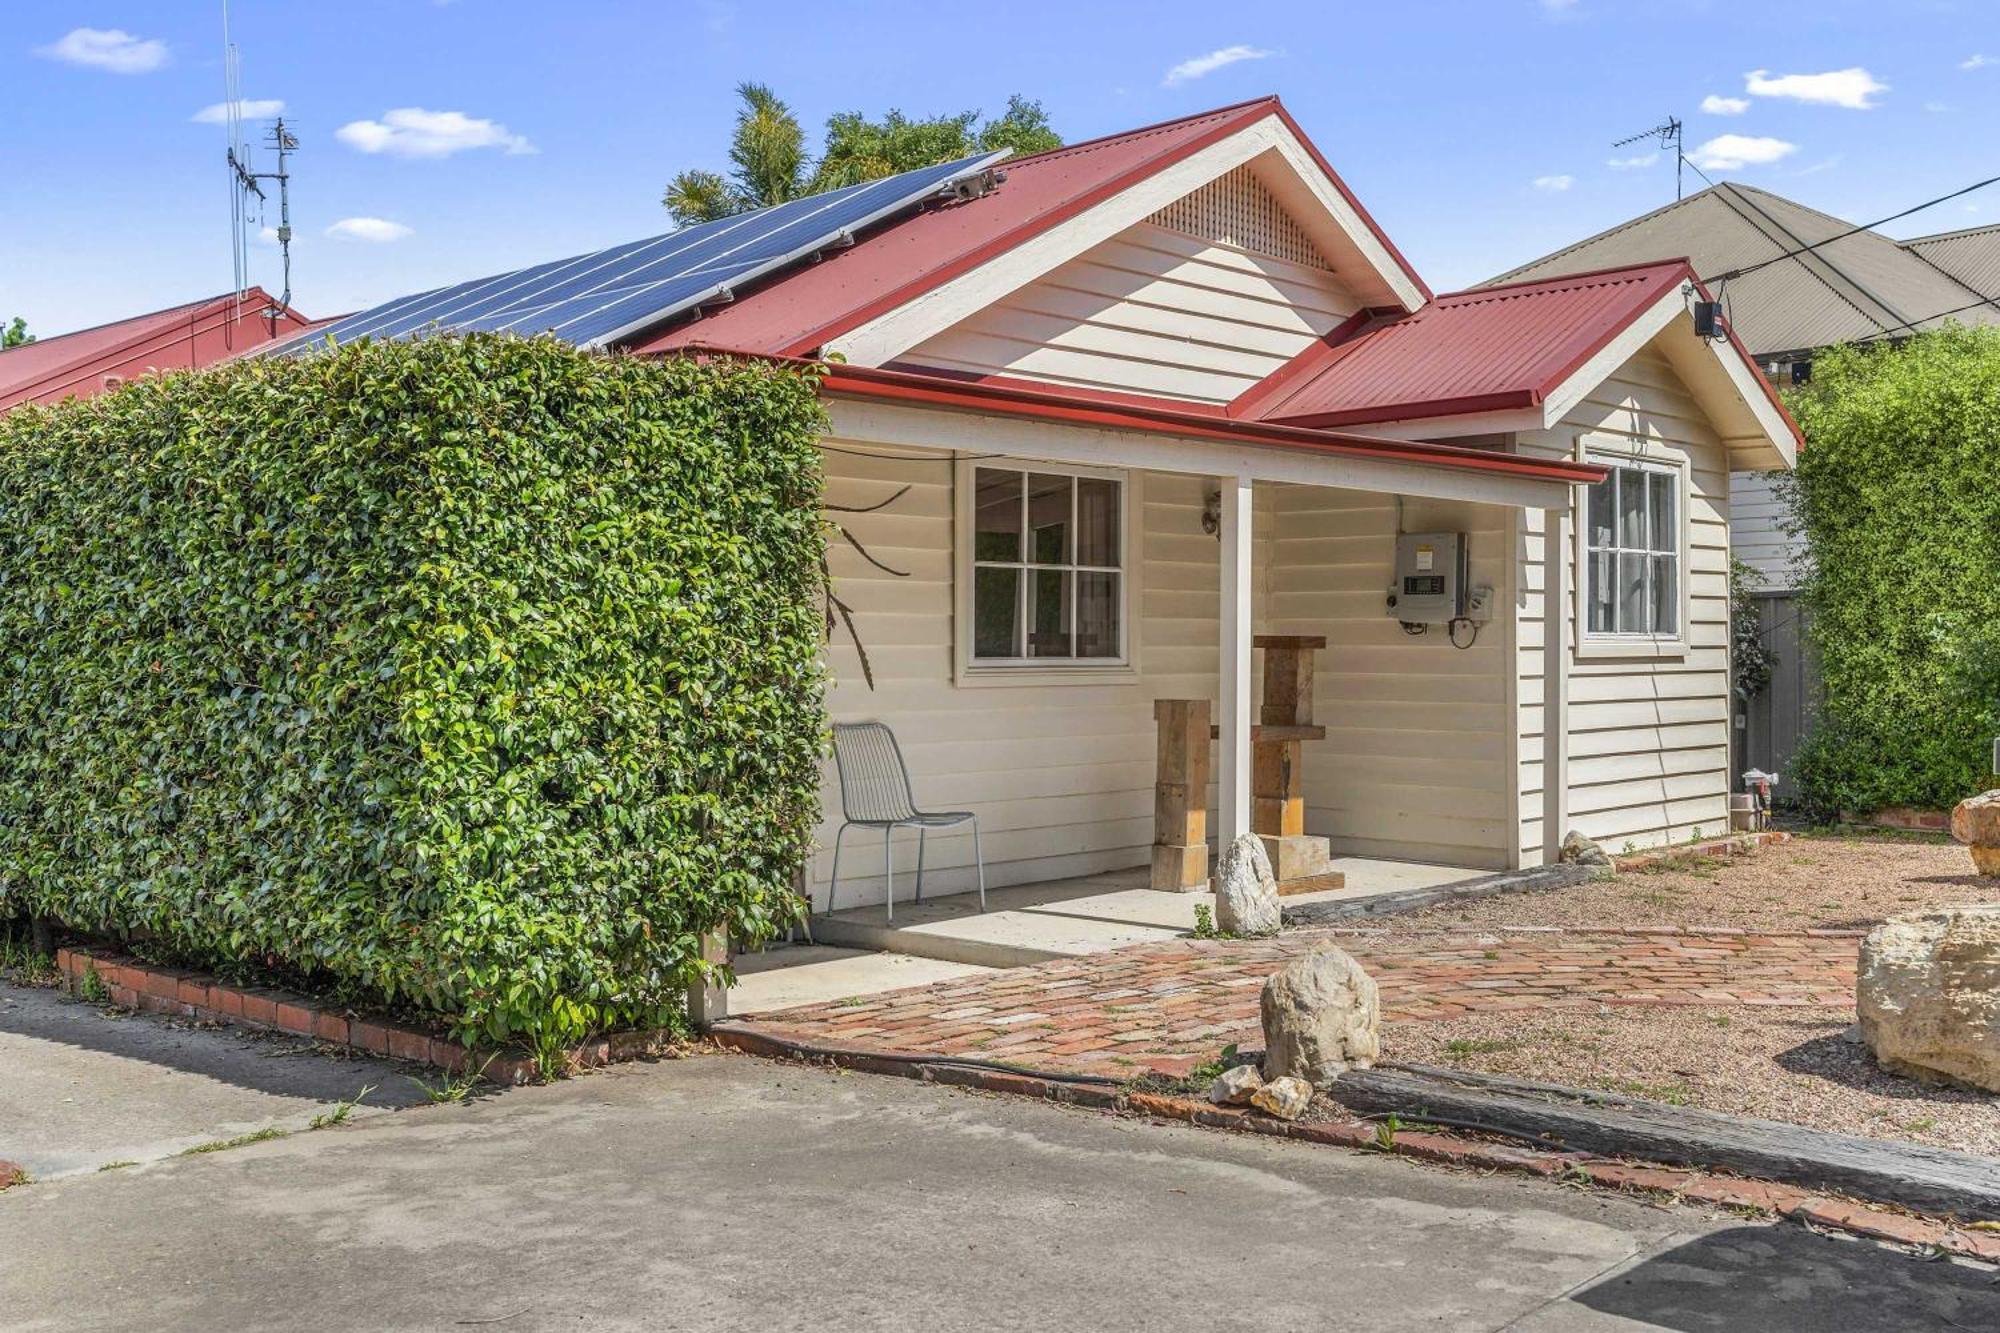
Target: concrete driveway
x,y
82,1086
726,1192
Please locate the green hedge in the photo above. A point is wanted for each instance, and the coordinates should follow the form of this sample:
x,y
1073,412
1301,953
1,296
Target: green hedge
x,y
481,674
1898,495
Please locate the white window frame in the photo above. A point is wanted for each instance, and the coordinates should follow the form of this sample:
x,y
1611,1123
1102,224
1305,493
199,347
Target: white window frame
x,y
969,670
1635,455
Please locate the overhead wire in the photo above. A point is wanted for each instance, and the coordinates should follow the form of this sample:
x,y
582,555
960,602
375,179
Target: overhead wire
x,y
1851,231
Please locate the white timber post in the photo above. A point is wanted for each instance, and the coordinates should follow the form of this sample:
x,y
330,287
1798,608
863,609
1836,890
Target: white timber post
x,y
708,999
1557,552
1233,749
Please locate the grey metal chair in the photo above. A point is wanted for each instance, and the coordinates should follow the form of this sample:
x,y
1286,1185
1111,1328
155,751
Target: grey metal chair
x,y
875,793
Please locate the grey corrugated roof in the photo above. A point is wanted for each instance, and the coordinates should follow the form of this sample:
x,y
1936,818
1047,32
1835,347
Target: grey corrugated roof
x,y
1972,256
1856,287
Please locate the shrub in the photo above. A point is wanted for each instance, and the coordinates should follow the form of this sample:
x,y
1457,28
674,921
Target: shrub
x,y
481,673
1895,495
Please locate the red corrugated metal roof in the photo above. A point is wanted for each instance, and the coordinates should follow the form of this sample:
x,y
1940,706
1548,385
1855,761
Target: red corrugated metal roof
x,y
1484,350
809,306
183,337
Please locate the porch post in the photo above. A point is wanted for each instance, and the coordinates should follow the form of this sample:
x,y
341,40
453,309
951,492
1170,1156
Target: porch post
x,y
1233,714
1558,549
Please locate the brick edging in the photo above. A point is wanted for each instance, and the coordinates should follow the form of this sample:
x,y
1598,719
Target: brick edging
x,y
1733,845
12,1174
132,984
1880,1222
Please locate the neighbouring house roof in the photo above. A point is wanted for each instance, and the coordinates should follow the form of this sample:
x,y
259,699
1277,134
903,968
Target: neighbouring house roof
x,y
1972,256
182,337
1485,350
1860,286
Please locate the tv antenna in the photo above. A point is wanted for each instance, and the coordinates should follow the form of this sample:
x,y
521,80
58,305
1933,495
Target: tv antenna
x,y
245,182
1668,135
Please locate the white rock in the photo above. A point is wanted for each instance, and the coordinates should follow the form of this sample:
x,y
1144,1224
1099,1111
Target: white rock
x,y
1321,1016
1285,1098
1236,1085
1246,893
1581,851
1928,995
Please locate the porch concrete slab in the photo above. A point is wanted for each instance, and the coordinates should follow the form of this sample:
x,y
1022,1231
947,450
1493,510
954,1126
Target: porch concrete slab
x,y
1026,924
783,978
82,1087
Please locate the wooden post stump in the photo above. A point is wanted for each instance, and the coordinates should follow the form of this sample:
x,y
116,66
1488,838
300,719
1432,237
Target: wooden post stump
x,y
1180,796
1300,862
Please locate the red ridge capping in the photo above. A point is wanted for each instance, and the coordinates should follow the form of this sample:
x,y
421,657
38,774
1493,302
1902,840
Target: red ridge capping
x,y
1069,407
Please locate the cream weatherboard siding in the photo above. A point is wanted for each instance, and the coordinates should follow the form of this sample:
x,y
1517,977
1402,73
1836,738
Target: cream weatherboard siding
x,y
1758,519
1061,775
1152,310
1417,760
1648,736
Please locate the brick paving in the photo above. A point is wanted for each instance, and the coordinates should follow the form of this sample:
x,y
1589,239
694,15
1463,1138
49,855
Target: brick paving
x,y
1170,1006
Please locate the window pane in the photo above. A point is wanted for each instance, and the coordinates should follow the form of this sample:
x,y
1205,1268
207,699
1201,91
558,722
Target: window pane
x,y
1048,518
1602,590
1603,497
996,515
1097,615
1663,523
1631,509
1666,595
1048,612
1096,521
1632,593
996,612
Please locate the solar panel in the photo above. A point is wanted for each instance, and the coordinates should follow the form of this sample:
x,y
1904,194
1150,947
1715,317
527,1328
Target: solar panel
x,y
598,298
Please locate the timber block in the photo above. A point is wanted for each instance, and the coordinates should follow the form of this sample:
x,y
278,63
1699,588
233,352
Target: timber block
x,y
1277,771
1288,688
1296,856
1180,869
1280,816
1180,814
1321,883
1183,742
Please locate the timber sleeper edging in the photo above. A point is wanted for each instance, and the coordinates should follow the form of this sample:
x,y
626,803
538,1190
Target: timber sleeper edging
x,y
1814,1207
129,983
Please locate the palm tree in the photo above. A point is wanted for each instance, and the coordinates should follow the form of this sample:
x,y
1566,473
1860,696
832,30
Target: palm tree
x,y
768,153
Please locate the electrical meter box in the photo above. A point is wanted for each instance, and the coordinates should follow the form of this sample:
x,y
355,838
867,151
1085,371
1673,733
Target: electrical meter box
x,y
1432,570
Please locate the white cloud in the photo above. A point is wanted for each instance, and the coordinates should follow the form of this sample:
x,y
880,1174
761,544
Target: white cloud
x,y
267,236
1558,6
1935,107
1189,70
411,131
111,49
1840,87
1634,162
1727,152
1553,184
250,108
1977,62
1824,164
376,230
1725,106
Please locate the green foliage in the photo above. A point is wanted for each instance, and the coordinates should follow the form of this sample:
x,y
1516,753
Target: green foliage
x,y
92,990
769,163
1895,494
1750,657
481,673
15,333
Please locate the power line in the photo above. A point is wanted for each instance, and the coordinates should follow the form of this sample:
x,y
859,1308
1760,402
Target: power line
x,y
1942,314
1840,236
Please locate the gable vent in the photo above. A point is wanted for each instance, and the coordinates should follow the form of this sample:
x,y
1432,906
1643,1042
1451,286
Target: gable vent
x,y
1236,210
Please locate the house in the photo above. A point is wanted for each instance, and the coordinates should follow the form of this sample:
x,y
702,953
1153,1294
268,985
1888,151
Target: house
x,y
1853,286
183,337
1101,415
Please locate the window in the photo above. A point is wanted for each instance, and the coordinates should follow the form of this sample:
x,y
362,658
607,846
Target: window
x,y
1632,552
1047,568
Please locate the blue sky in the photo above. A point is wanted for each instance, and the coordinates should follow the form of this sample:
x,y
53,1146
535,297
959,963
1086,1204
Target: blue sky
x,y
1477,132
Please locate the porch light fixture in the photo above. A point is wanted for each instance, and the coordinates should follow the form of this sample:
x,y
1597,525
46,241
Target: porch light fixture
x,y
1211,514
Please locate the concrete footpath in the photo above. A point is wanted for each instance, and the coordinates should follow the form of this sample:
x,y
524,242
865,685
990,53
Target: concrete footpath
x,y
729,1192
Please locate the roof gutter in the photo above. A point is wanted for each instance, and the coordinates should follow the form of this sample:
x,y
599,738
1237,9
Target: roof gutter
x,y
847,381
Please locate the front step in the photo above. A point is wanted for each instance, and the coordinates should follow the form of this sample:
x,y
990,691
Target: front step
x,y
917,942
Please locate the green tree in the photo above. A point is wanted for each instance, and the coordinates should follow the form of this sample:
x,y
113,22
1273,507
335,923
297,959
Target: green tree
x,y
769,163
15,334
1894,494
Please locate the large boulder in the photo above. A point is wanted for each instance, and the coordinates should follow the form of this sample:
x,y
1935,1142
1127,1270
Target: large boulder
x,y
1928,995
1322,1016
1976,823
1578,850
1246,892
